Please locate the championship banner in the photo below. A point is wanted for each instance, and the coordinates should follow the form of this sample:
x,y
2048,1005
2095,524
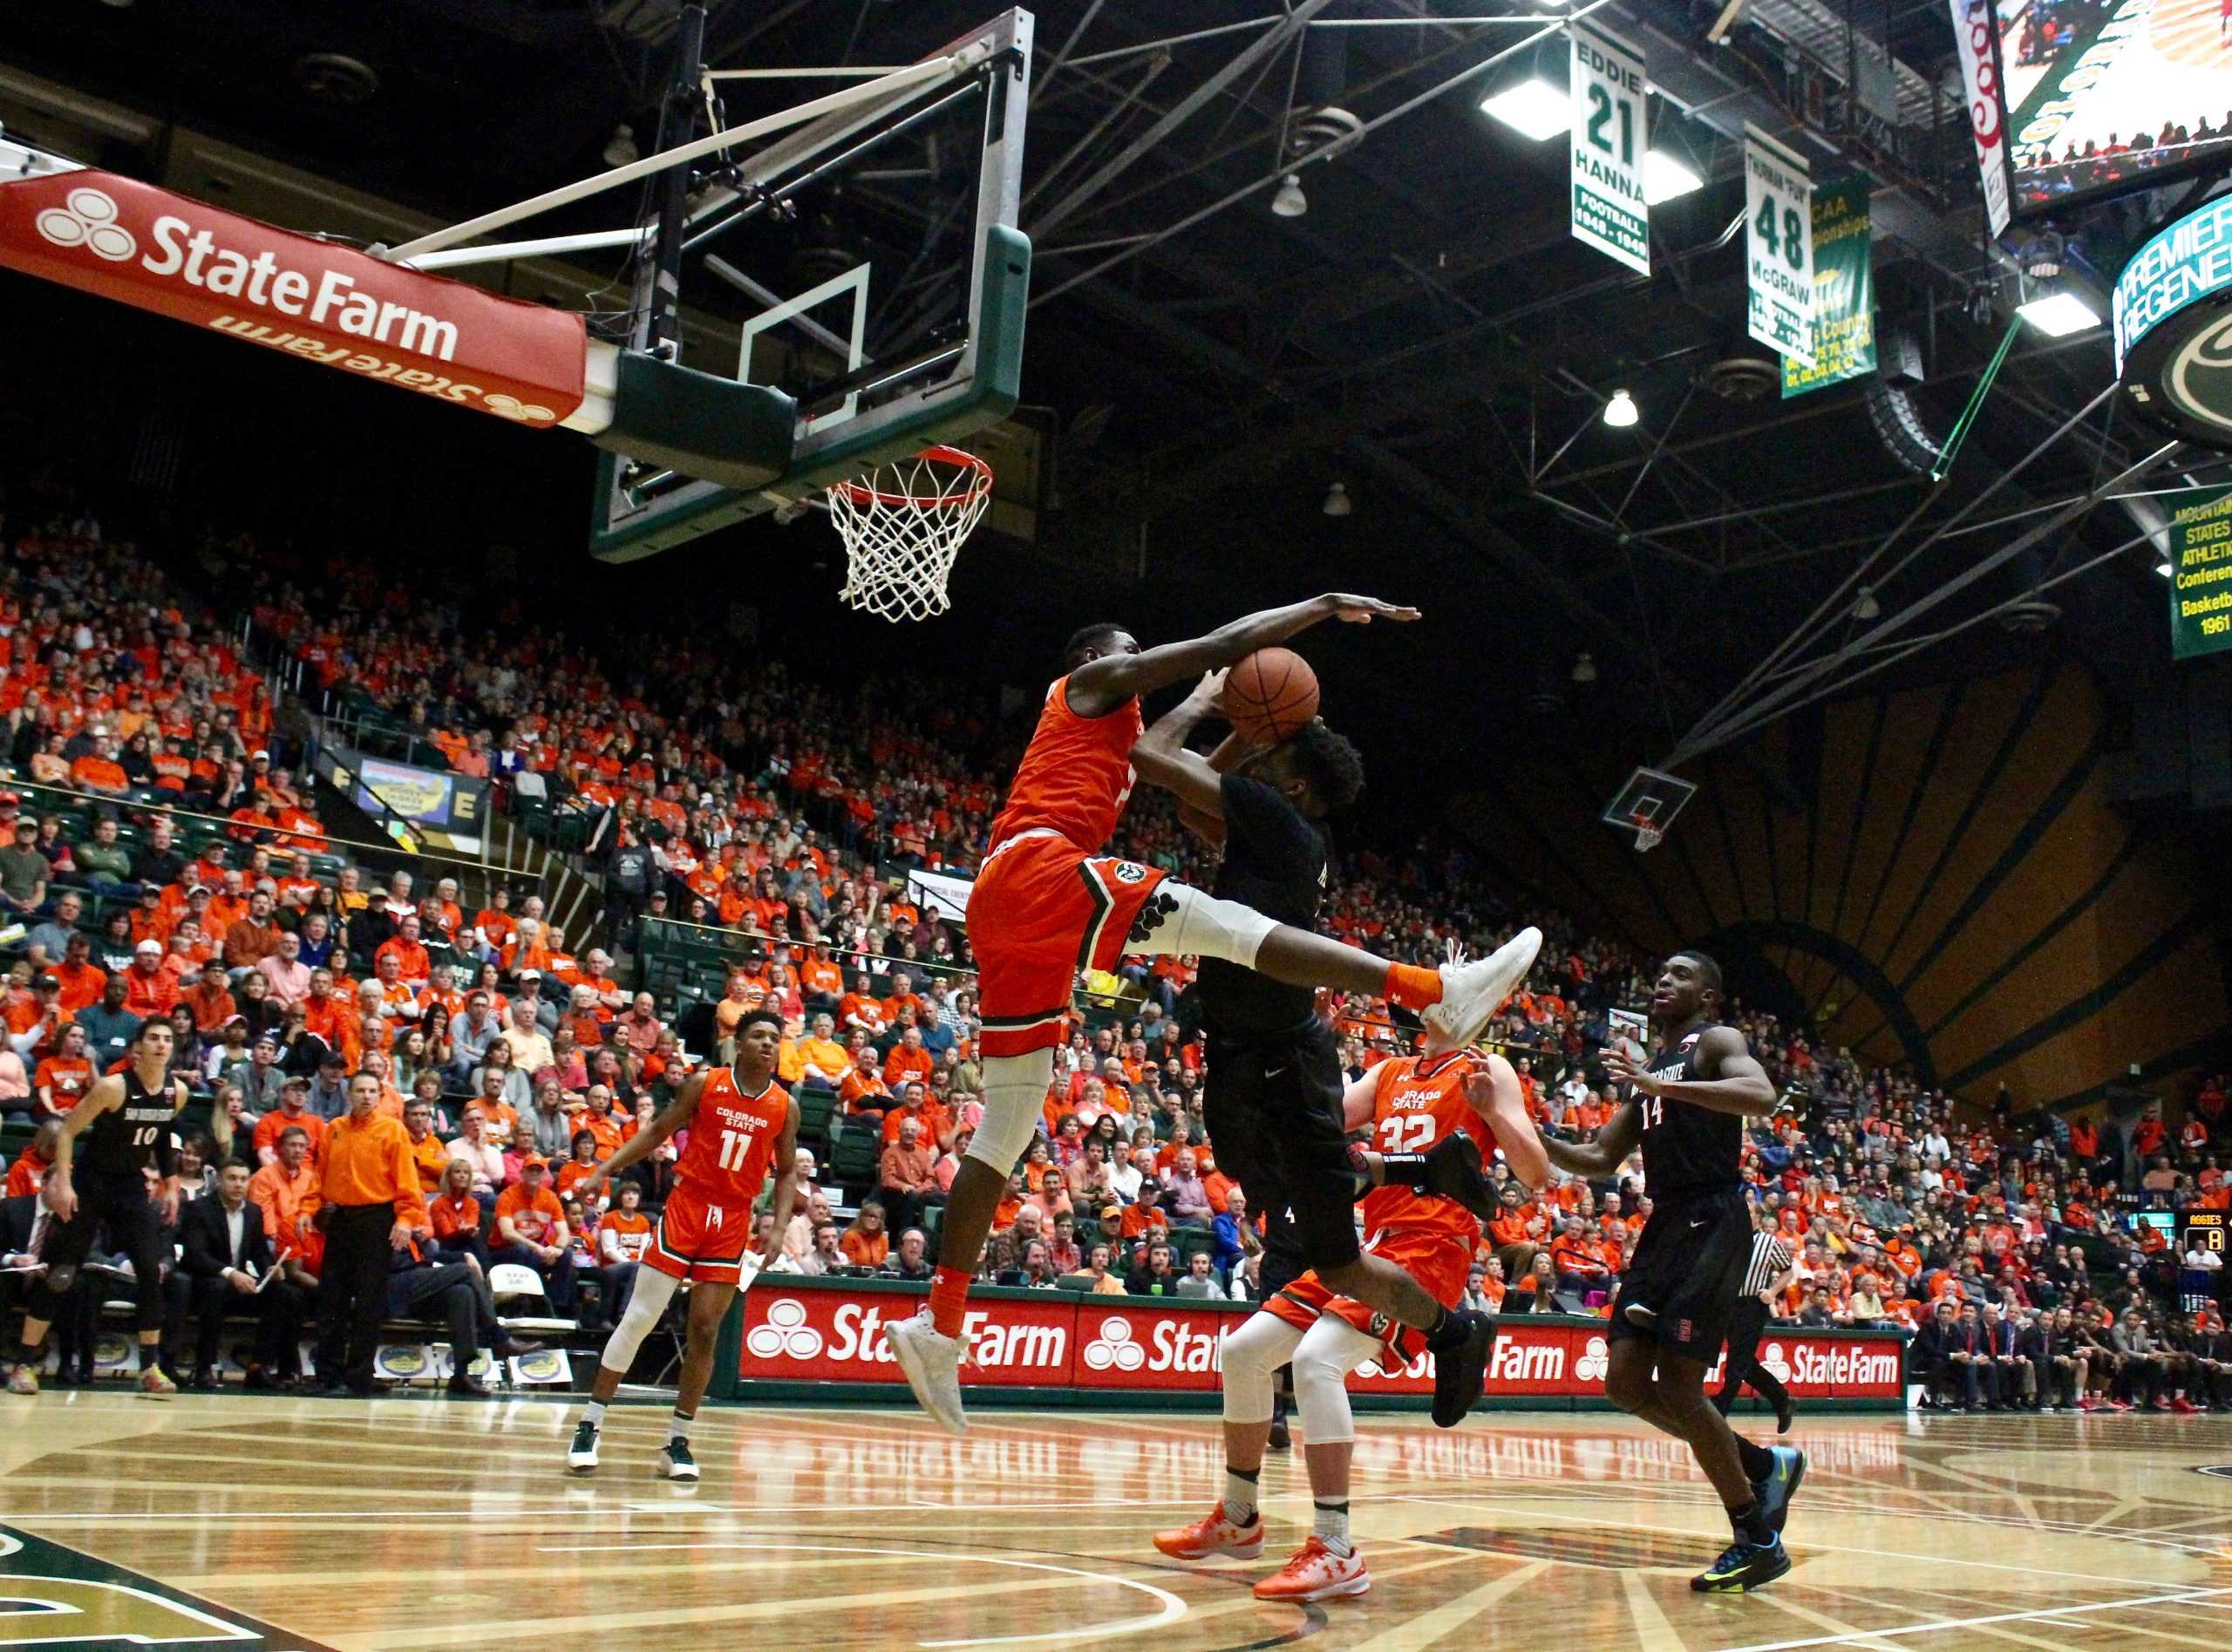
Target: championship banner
x,y
1976,35
1609,139
2201,573
141,246
1779,247
1844,290
810,1331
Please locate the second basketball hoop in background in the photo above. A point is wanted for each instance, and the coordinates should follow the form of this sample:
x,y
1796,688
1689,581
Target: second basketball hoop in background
x,y
903,524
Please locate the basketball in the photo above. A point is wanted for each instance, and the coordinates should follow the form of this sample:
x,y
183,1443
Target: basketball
x,y
1269,694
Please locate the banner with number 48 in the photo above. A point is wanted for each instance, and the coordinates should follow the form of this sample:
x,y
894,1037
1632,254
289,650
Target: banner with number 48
x,y
1779,247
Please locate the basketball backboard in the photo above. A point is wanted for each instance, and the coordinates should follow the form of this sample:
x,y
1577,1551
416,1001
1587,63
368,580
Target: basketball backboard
x,y
883,284
1647,805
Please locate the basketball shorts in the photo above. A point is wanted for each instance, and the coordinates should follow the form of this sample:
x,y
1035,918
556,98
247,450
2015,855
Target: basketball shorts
x,y
697,1239
1042,910
1441,1262
1680,1289
1273,1108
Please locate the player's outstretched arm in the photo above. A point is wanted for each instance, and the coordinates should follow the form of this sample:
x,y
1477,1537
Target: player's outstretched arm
x,y
1099,686
1733,1081
1492,1092
644,1142
1605,1151
1160,758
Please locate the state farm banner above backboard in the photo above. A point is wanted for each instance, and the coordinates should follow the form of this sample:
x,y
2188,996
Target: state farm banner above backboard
x,y
126,241
833,1332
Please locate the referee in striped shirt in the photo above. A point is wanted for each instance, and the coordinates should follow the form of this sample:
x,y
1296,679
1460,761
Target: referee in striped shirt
x,y
1769,1273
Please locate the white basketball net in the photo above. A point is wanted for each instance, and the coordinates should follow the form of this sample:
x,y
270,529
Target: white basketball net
x,y
903,523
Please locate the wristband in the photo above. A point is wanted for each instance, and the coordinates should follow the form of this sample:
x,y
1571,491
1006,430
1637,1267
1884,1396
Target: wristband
x,y
1404,1168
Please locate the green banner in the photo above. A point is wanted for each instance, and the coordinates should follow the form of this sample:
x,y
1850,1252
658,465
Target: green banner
x,y
2201,573
1844,290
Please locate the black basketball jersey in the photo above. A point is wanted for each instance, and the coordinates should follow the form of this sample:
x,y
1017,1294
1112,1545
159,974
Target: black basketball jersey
x,y
1687,1150
136,1136
1277,861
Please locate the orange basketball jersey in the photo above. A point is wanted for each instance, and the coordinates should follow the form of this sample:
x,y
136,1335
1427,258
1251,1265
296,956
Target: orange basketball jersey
x,y
1077,775
1419,1101
731,1139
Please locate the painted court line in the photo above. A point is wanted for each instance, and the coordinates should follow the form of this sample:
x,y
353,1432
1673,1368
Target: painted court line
x,y
1939,1624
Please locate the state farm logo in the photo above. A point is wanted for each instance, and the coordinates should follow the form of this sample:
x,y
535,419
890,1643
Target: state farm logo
x,y
786,1335
1595,1360
1772,1363
87,219
511,407
1114,1347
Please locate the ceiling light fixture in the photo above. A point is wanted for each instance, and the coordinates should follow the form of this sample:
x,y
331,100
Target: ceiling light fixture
x,y
1664,177
620,149
2163,567
1621,411
1337,502
2059,313
1534,109
1584,667
1868,607
1290,202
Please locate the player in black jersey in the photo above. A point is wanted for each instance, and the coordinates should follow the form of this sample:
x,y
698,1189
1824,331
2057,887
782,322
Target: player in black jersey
x,y
124,1123
1685,1106
1273,1103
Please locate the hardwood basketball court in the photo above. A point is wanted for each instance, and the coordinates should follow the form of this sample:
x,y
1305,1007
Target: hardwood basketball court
x,y
410,1523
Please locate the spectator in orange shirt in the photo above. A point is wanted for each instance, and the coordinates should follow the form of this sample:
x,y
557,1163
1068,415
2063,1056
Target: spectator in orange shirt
x,y
40,1011
28,1173
413,964
210,1000
908,1062
98,771
863,1093
149,990
602,1124
252,937
81,980
914,1103
426,1147
860,1011
453,1216
866,1244
62,1078
531,1230
286,1190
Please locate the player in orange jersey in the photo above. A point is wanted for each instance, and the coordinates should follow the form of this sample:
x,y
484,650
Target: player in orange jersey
x,y
1047,904
740,1120
1411,1105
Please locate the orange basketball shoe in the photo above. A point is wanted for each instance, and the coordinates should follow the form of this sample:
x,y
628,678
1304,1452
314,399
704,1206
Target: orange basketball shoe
x,y
1316,1574
1213,1536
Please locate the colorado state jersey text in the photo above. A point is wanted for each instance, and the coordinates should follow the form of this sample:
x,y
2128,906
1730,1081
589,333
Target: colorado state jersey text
x,y
731,1139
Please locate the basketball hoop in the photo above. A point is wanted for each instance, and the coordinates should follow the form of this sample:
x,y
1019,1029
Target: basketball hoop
x,y
903,523
1648,837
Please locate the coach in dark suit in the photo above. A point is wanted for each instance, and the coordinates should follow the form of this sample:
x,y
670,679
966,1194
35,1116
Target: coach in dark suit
x,y
227,1256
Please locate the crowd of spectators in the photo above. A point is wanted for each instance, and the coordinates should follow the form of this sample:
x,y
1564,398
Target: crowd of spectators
x,y
780,813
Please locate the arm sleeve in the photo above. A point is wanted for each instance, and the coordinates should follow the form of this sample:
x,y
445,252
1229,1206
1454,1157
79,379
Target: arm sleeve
x,y
410,1204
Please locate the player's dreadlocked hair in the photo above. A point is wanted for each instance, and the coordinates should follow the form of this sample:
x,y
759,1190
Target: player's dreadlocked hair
x,y
1333,766
1097,636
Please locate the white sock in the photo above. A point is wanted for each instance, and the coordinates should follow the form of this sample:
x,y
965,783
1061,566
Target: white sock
x,y
1240,1496
593,1413
1331,1526
678,1426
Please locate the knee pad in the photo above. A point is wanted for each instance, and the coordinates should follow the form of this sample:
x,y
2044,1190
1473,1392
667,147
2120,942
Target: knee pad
x,y
1252,1354
652,1293
1015,1091
1206,926
1322,1365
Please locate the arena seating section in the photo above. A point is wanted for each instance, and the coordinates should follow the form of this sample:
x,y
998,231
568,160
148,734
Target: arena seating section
x,y
752,824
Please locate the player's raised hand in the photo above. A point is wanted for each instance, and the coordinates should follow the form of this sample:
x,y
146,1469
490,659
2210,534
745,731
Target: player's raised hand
x,y
1208,693
1363,610
1623,1067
